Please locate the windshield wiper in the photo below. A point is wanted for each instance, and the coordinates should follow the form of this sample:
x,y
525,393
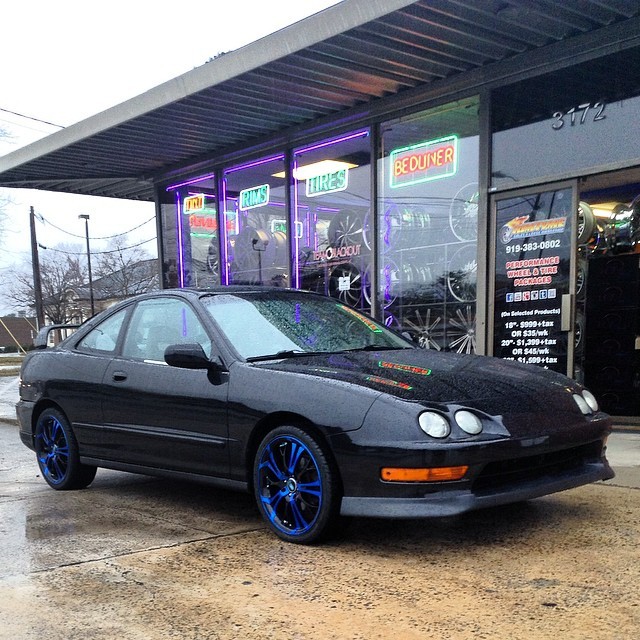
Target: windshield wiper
x,y
286,353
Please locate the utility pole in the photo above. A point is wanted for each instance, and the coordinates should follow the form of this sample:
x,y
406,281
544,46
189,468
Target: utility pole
x,y
85,217
35,263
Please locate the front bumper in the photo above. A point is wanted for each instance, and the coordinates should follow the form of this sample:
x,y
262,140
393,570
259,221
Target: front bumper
x,y
451,502
501,470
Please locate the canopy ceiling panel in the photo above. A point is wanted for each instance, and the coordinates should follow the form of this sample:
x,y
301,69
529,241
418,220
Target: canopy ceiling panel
x,y
347,57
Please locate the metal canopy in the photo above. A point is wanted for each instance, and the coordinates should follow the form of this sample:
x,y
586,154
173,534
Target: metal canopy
x,y
344,59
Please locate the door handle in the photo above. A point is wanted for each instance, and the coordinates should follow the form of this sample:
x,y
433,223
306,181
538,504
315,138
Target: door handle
x,y
119,376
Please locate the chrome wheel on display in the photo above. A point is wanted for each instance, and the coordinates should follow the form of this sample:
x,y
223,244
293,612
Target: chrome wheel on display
x,y
429,329
346,229
461,331
463,274
463,213
586,222
345,283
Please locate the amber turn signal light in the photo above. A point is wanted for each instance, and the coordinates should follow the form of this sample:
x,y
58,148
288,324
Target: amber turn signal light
x,y
435,474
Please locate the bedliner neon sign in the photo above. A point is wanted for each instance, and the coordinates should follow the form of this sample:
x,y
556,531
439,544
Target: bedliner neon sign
x,y
423,162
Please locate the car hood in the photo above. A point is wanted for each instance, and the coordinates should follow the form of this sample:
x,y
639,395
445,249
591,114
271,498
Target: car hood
x,y
491,385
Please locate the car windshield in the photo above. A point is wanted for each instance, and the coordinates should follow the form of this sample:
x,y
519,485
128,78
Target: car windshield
x,y
263,326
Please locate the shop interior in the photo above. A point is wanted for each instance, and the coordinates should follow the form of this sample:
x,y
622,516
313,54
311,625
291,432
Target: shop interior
x,y
607,339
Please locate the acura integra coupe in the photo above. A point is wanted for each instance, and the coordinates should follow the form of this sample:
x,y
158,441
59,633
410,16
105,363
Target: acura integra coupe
x,y
317,409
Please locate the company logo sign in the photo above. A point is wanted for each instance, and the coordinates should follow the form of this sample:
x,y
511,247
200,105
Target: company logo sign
x,y
520,227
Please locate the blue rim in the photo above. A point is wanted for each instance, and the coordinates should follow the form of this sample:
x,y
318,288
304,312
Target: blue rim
x,y
53,450
290,485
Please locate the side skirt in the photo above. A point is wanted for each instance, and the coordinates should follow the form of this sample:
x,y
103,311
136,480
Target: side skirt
x,y
224,483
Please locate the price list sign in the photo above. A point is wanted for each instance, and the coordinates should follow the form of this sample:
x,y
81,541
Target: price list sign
x,y
532,273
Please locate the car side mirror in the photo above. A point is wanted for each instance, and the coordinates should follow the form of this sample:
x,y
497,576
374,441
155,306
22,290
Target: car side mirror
x,y
191,356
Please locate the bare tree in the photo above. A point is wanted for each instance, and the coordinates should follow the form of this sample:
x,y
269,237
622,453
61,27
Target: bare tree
x,y
123,270
62,273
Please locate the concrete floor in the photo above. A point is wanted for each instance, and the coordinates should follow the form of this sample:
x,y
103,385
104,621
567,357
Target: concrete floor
x,y
144,559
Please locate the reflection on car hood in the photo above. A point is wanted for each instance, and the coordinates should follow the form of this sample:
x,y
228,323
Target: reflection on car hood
x,y
490,384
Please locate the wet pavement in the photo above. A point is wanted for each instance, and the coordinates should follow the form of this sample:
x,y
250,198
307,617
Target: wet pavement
x,y
143,559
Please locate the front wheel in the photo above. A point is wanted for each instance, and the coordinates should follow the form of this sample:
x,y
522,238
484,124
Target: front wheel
x,y
296,486
57,453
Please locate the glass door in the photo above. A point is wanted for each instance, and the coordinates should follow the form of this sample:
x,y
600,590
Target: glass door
x,y
534,273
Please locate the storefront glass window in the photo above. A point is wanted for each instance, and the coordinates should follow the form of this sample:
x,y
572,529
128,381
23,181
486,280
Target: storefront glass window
x,y
428,225
567,122
255,247
331,198
193,228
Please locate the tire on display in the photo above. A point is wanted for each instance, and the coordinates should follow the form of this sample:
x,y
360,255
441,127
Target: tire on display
x,y
296,486
57,453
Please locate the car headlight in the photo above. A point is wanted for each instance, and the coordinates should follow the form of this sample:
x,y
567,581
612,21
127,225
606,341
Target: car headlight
x,y
590,400
582,404
434,424
469,422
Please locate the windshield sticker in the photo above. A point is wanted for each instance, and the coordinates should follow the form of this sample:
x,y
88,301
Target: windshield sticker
x,y
372,326
404,367
389,383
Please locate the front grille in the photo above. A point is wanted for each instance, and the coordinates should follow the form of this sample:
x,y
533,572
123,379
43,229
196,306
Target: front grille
x,y
544,465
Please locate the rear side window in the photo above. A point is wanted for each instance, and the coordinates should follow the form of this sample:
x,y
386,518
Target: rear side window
x,y
104,337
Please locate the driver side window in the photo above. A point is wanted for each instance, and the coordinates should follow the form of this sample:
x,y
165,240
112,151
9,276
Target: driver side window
x,y
156,324
104,337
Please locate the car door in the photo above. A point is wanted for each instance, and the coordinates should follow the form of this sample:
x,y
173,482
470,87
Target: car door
x,y
75,382
159,416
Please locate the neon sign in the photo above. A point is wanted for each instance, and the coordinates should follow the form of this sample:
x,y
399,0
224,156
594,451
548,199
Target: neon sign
x,y
254,197
330,182
193,203
424,162
205,225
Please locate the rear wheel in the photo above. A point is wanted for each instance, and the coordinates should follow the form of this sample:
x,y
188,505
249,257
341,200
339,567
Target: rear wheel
x,y
296,486
57,453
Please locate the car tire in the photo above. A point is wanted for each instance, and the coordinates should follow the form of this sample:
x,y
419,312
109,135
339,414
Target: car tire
x,y
296,486
57,453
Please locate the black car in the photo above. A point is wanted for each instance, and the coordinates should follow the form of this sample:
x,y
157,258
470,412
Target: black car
x,y
314,407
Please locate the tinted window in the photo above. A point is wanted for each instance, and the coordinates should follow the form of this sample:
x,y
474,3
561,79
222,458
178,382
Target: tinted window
x,y
158,323
104,337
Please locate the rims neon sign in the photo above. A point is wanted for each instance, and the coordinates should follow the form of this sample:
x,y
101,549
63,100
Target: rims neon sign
x,y
423,162
254,197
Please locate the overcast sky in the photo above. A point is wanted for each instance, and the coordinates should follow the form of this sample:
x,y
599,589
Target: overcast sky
x,y
67,60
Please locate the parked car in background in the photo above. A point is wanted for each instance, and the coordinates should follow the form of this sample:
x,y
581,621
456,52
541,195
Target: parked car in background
x,y
317,409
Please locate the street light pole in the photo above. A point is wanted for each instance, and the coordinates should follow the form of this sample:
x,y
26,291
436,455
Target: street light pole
x,y
85,217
